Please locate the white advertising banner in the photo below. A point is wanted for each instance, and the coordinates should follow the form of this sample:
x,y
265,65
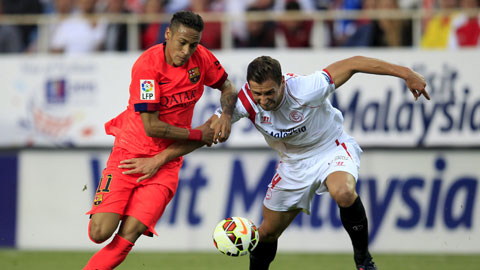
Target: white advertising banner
x,y
421,202
65,101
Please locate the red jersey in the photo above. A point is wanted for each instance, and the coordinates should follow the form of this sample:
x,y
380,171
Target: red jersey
x,y
172,91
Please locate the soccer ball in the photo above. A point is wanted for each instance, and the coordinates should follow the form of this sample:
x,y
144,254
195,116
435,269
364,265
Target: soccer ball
x,y
235,236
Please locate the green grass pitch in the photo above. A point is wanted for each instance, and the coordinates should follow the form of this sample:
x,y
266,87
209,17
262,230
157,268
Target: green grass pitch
x,y
43,260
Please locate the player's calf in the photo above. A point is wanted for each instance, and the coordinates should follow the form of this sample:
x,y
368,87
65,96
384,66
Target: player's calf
x,y
263,255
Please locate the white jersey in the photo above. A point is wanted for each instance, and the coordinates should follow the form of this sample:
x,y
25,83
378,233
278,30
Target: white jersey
x,y
304,124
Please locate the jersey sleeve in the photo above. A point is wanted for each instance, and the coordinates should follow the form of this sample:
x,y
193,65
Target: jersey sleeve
x,y
243,108
313,89
215,75
144,90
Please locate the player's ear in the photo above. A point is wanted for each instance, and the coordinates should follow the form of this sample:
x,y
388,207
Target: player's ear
x,y
168,33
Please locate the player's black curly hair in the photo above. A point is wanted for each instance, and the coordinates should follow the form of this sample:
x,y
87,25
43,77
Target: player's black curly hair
x,y
263,68
188,19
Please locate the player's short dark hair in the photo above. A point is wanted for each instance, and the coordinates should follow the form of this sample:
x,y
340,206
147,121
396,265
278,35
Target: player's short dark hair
x,y
263,68
188,19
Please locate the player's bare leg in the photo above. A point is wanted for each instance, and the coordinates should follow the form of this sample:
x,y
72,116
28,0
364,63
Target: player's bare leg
x,y
341,186
131,229
117,250
102,226
273,225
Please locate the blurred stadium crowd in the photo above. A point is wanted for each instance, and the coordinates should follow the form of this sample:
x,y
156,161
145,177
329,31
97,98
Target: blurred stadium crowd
x,y
82,26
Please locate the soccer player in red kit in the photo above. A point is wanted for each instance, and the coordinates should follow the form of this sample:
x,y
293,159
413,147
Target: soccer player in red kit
x,y
167,80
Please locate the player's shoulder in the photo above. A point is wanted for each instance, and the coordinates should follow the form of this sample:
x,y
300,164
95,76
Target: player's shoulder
x,y
202,50
294,80
299,80
302,87
203,53
150,58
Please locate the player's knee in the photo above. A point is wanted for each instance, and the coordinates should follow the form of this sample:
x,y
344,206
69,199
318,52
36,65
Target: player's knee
x,y
98,235
344,196
266,236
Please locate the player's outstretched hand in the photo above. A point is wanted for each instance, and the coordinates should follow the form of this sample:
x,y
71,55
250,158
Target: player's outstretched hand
x,y
146,166
416,84
222,127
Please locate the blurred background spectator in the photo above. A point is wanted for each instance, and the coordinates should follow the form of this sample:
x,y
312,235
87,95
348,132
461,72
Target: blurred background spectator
x,y
341,30
57,7
116,36
173,6
383,32
258,33
296,33
62,9
28,32
438,28
79,33
75,31
305,5
10,37
465,27
212,32
135,6
153,33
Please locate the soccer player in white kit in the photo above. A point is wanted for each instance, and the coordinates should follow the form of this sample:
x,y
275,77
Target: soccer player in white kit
x,y
316,154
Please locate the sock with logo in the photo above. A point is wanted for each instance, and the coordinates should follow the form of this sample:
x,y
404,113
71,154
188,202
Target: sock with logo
x,y
111,255
354,220
263,255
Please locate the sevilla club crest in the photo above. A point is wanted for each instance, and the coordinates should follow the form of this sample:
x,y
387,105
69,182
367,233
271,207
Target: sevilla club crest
x,y
194,74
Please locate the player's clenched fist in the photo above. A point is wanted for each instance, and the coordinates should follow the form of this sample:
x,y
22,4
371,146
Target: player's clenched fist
x,y
208,133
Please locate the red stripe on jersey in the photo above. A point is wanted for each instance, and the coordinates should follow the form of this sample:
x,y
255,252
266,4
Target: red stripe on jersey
x,y
329,76
251,112
247,88
346,150
344,147
275,180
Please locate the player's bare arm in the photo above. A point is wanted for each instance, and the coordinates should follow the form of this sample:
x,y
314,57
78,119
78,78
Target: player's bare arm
x,y
148,167
343,70
159,129
228,100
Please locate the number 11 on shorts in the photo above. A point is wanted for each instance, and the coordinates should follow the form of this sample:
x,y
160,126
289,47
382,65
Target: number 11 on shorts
x,y
107,184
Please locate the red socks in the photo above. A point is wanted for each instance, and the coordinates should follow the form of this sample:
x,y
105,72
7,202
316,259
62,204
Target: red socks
x,y
111,255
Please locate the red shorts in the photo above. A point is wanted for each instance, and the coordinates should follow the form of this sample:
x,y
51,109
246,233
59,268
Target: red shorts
x,y
121,194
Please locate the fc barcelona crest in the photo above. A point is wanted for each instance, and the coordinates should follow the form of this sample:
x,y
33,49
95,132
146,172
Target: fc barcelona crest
x,y
98,199
194,74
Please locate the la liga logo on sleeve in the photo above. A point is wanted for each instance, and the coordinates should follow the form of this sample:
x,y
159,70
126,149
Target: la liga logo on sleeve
x,y
147,89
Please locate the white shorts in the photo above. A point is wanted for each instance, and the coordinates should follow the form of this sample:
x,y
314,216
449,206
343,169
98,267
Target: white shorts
x,y
296,182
